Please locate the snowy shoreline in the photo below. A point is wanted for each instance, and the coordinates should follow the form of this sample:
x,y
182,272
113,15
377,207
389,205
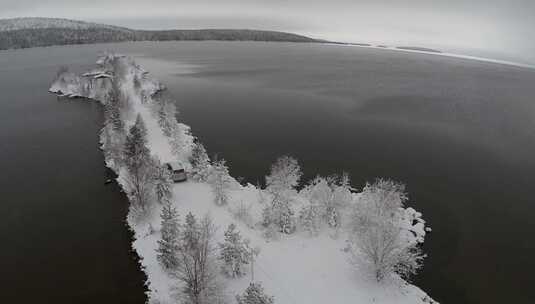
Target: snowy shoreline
x,y
438,53
294,268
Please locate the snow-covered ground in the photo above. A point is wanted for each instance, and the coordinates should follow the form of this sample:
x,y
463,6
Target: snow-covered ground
x,y
296,268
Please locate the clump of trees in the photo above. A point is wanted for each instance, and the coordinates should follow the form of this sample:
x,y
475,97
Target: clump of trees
x,y
114,128
187,252
280,184
254,294
327,196
178,134
384,236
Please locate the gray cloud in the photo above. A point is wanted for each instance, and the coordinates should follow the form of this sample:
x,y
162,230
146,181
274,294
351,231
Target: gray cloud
x,y
493,26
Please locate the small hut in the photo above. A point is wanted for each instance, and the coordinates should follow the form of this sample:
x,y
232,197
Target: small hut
x,y
177,172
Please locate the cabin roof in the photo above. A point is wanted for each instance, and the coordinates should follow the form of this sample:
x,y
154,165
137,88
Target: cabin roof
x,y
175,166
98,73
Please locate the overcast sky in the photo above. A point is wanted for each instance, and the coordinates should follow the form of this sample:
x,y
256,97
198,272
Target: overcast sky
x,y
495,26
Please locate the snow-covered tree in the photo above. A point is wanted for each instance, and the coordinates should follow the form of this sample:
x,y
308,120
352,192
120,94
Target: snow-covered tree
x,y
136,150
163,185
181,140
139,164
114,135
190,232
113,115
384,235
254,294
279,216
220,181
310,217
112,107
200,162
167,116
196,268
113,146
284,176
169,243
342,199
280,183
234,252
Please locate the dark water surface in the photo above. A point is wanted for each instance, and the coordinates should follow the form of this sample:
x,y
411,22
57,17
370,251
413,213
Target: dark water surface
x,y
62,231
459,133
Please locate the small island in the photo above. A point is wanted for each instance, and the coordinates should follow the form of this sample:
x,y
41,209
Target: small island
x,y
204,237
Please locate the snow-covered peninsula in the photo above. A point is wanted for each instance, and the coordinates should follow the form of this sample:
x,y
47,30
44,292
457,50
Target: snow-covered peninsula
x,y
205,240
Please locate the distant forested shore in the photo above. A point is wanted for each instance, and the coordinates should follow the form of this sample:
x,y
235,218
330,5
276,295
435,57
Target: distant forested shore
x,y
38,32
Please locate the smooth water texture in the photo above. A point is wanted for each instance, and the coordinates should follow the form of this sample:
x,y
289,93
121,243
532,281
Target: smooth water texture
x,y
459,133
63,233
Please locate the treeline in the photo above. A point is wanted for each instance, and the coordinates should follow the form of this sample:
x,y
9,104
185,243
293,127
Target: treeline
x,y
220,34
27,38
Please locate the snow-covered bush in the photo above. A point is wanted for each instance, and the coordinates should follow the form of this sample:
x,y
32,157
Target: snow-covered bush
x,y
384,236
254,294
169,245
234,253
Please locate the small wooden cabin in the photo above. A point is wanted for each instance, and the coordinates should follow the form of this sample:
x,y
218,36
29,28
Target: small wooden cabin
x,y
177,172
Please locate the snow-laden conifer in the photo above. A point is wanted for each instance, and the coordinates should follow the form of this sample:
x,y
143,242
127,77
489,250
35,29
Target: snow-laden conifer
x,y
220,181
254,294
139,164
200,162
234,252
163,185
169,243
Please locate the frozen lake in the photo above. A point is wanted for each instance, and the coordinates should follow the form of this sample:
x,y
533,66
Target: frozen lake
x,y
459,133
